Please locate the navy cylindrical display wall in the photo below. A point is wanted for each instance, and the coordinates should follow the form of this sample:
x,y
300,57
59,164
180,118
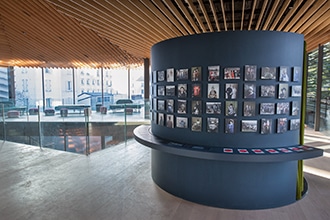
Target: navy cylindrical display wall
x,y
262,116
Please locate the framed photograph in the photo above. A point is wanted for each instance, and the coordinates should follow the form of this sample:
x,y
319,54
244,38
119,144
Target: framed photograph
x,y
268,73
212,125
266,126
296,91
295,124
283,108
196,90
230,125
196,107
213,90
160,90
170,90
249,126
213,73
296,74
181,122
282,125
170,105
154,104
249,109
250,73
170,75
196,73
285,74
213,107
170,121
267,91
295,108
161,76
283,90
161,119
196,124
232,73
267,108
160,105
154,76
182,74
250,90
231,90
182,90
231,108
182,106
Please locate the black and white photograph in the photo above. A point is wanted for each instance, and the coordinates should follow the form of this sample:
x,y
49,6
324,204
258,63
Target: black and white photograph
x,y
283,108
213,73
267,108
283,91
285,74
267,91
170,105
154,76
170,75
249,126
196,124
196,90
282,125
250,90
230,125
182,106
161,119
182,91
266,126
181,122
213,91
213,107
231,90
161,76
232,73
160,90
161,105
268,73
170,90
295,124
196,107
182,74
212,125
231,108
296,74
249,109
196,73
296,91
170,121
295,109
250,73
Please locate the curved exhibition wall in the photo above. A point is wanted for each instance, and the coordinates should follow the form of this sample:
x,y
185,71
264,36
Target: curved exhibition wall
x,y
228,89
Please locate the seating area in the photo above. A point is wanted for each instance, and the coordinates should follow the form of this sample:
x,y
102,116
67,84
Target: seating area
x,y
127,104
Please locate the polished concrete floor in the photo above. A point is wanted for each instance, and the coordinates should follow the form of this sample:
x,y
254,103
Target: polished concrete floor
x,y
116,184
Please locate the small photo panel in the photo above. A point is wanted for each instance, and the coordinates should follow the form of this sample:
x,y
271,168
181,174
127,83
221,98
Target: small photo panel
x,y
296,74
213,91
232,73
213,73
181,122
249,109
295,109
231,90
196,73
212,125
250,90
268,73
154,76
283,90
170,105
285,74
160,90
213,107
182,74
230,125
170,75
282,125
161,119
196,90
296,91
231,108
267,91
196,107
182,90
161,105
295,124
161,75
267,108
249,126
196,124
283,108
170,90
250,73
170,121
182,106
266,126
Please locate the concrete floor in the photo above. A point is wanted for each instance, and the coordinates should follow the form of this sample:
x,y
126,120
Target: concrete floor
x,y
116,183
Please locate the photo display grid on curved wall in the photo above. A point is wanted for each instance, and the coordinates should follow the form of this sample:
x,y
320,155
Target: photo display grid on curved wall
x,y
229,100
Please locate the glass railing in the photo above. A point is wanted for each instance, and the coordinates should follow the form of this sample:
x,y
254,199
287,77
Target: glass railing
x,y
78,130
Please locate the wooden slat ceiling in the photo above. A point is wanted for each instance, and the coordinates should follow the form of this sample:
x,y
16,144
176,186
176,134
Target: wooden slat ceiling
x,y
113,33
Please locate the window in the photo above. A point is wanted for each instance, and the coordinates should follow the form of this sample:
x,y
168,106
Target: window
x,y
82,81
69,86
25,85
88,81
48,85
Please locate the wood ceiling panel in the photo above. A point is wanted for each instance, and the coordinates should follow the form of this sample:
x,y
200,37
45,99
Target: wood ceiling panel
x,y
112,33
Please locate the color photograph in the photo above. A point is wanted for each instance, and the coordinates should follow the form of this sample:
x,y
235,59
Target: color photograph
x,y
196,73
232,73
213,73
213,91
